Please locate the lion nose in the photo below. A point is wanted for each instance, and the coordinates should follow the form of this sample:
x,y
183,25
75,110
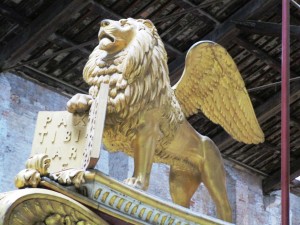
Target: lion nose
x,y
104,23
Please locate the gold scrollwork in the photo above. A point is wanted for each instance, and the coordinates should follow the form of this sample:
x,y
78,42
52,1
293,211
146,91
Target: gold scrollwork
x,y
36,166
44,207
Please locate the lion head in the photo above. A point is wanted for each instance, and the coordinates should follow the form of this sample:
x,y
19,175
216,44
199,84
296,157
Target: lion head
x,y
114,36
130,57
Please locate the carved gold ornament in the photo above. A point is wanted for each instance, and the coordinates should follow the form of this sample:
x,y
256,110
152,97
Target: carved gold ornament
x,y
106,195
44,207
36,166
146,118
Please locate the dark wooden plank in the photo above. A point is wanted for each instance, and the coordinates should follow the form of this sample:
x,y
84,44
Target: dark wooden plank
x,y
294,3
66,43
112,15
172,25
72,88
265,28
260,54
105,12
272,183
224,32
39,30
44,57
12,15
160,9
186,4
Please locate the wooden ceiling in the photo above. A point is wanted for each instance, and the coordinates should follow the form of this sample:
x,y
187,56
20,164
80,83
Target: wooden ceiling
x,y
49,42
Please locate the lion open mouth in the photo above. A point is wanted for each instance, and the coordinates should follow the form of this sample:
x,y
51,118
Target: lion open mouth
x,y
105,40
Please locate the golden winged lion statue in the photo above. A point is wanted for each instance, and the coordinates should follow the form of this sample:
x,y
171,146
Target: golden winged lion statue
x,y
146,117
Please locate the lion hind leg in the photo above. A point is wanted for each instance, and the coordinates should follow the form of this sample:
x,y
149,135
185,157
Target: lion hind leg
x,y
183,185
214,178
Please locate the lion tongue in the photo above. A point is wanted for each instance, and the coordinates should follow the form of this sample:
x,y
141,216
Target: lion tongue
x,y
104,42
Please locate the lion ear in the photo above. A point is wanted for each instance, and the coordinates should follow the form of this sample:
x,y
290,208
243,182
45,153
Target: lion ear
x,y
148,23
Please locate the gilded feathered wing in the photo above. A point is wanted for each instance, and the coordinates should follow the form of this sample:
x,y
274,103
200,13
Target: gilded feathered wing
x,y
212,83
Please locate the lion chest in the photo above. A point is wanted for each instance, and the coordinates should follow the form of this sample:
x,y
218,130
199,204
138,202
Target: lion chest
x,y
119,136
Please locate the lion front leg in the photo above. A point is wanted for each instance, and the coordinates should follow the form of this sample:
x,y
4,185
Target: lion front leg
x,y
144,145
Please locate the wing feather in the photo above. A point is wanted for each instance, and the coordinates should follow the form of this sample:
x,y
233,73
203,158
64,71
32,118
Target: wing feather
x,y
212,83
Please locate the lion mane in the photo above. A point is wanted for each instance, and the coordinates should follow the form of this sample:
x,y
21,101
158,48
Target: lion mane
x,y
138,81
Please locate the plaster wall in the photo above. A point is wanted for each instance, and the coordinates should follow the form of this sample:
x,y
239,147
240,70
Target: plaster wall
x,y
22,99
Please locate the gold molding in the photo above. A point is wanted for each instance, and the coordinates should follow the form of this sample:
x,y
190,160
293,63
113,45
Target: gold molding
x,y
128,204
44,207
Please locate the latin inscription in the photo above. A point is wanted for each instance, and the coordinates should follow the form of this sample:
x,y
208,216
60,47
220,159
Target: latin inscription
x,y
61,135
71,140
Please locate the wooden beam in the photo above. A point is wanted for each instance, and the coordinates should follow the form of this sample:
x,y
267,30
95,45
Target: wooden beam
x,y
295,123
112,15
67,43
270,108
39,30
187,5
272,183
265,28
105,12
294,3
245,165
224,32
176,15
43,57
271,85
12,15
262,55
73,89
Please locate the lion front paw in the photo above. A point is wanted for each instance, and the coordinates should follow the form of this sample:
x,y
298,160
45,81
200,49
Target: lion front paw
x,y
79,103
27,178
71,176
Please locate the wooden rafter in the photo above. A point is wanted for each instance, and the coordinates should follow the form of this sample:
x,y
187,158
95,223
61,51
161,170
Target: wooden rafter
x,y
224,32
62,83
272,183
39,30
112,15
186,4
265,28
260,54
64,41
12,15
